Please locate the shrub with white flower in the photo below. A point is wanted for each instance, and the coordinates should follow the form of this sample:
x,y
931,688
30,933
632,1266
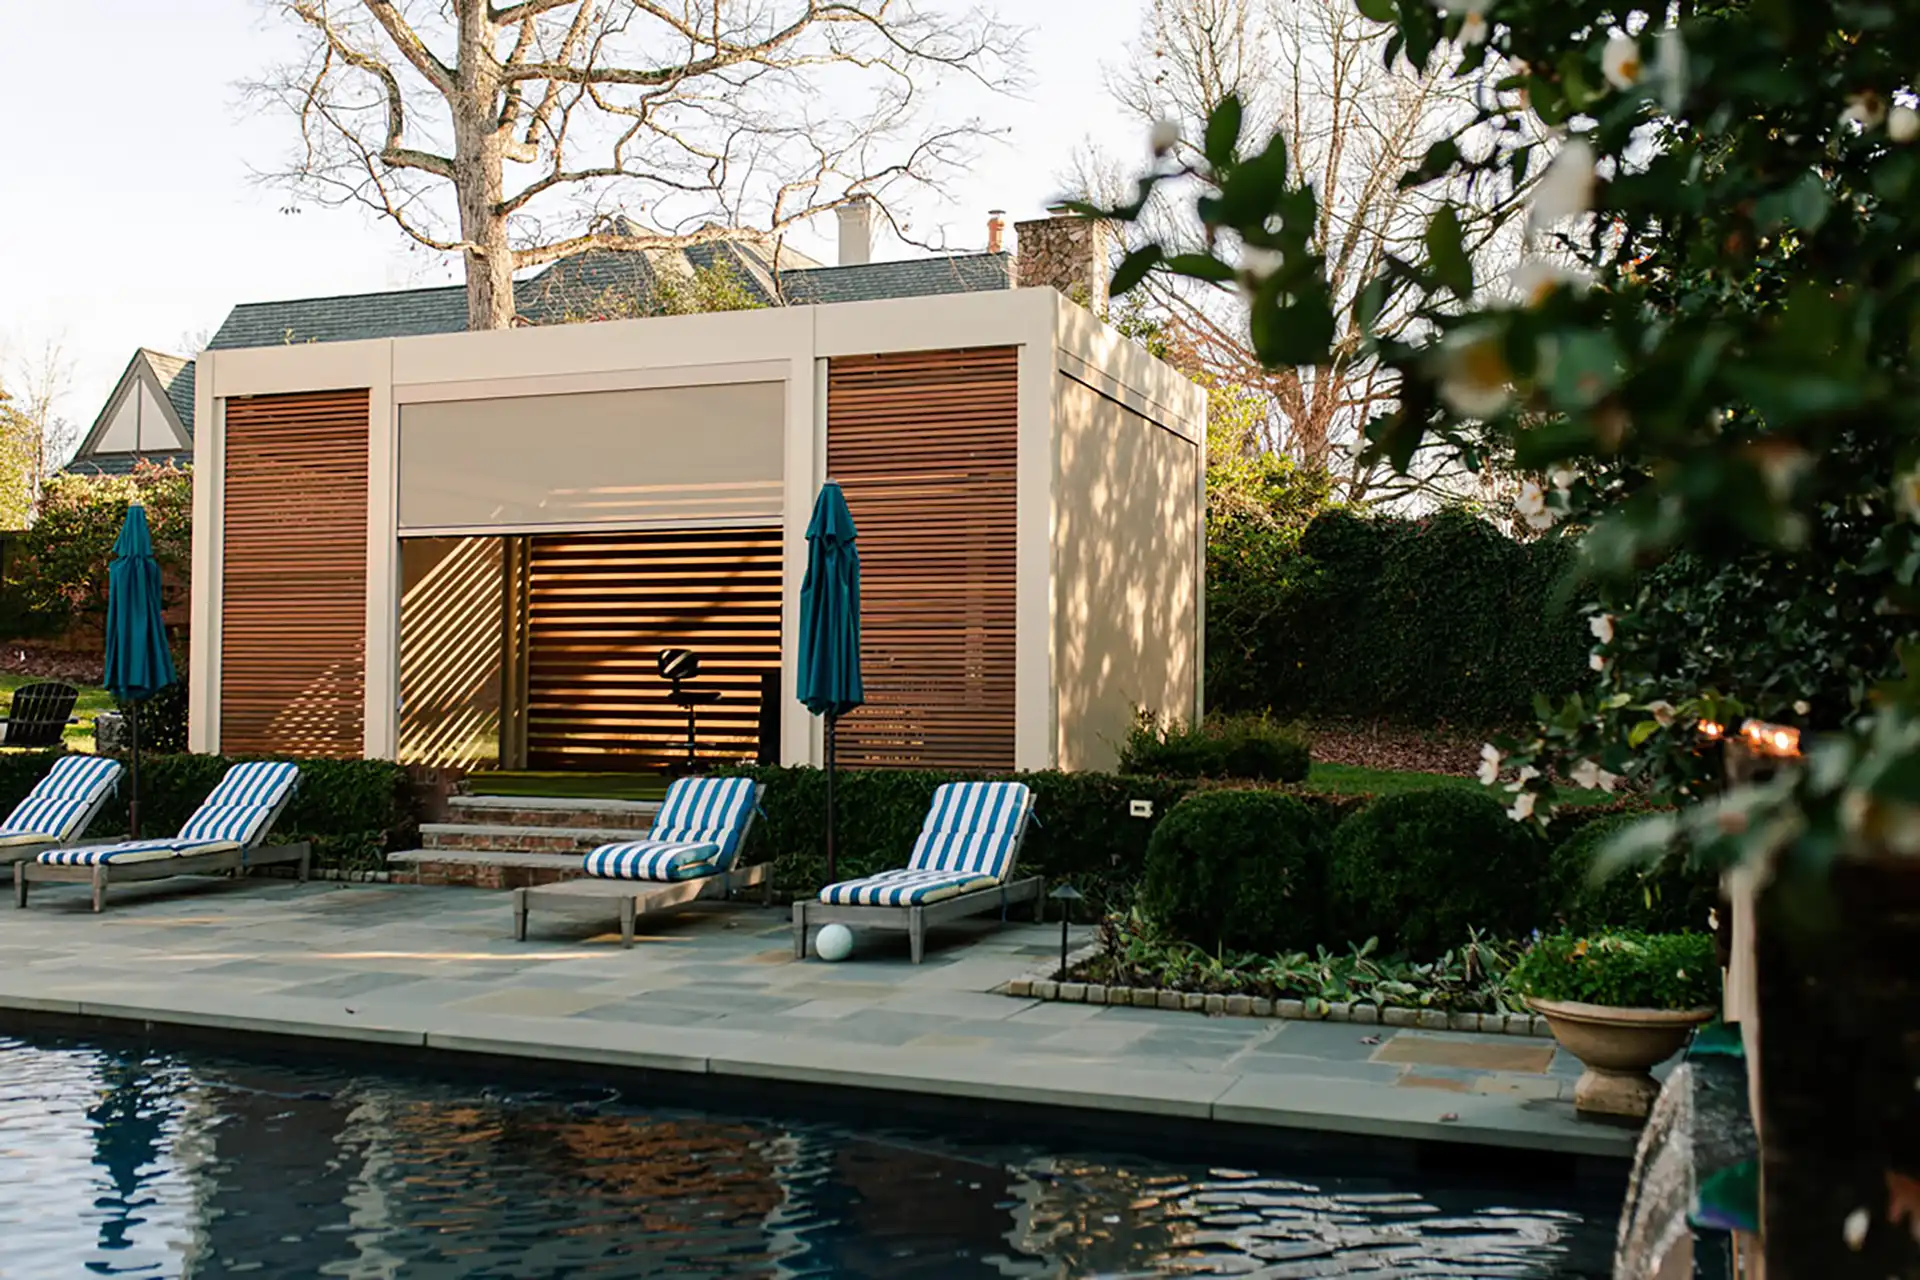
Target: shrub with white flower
x,y
1491,758
1601,624
1566,189
1620,61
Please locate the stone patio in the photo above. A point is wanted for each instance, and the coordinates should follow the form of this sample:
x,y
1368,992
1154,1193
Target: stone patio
x,y
716,990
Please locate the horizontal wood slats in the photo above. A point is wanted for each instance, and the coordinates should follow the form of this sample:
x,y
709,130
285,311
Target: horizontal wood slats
x,y
924,444
294,574
602,606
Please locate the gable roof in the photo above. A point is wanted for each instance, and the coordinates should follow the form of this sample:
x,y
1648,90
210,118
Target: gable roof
x,y
170,378
576,286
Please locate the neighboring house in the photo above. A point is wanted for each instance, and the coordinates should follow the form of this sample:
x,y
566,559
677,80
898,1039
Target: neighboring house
x,y
149,417
150,413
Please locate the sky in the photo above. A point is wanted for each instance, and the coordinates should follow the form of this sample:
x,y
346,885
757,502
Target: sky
x,y
130,215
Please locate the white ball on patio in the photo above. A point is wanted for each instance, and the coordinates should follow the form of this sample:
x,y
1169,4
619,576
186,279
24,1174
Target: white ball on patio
x,y
833,943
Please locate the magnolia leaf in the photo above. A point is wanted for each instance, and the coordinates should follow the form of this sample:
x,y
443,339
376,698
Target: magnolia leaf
x,y
1378,10
1199,266
1638,735
1223,132
1447,253
1133,269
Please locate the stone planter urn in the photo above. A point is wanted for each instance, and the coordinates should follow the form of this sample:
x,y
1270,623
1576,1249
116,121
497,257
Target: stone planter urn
x,y
1619,1048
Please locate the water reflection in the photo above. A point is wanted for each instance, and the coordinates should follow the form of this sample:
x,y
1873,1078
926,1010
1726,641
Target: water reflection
x,y
193,1166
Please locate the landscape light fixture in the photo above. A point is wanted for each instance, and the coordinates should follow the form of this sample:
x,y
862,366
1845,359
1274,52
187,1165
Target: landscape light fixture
x,y
676,667
1066,895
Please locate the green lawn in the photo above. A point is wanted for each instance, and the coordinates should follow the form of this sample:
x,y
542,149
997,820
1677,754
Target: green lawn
x,y
92,701
1352,779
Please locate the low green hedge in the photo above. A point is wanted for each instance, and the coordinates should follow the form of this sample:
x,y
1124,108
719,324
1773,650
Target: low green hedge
x,y
353,811
1669,897
1236,870
1246,747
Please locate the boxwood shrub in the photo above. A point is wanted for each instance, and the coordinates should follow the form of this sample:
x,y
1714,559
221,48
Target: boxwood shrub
x,y
1238,870
1250,747
1419,870
1623,969
1668,897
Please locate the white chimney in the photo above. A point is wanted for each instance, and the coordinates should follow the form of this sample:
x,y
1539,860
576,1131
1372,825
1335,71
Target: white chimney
x,y
856,232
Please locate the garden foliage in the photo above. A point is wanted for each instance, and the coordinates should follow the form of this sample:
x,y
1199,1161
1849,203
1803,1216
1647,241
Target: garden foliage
x,y
57,572
1240,870
1668,896
1253,747
1419,870
1623,969
1442,618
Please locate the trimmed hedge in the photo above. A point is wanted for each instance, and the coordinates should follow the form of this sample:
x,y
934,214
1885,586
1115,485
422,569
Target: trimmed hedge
x,y
1240,870
1443,618
1669,897
1243,746
1419,870
354,811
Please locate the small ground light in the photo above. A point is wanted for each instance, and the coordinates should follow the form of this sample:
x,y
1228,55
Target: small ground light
x,y
1066,895
1771,739
1712,730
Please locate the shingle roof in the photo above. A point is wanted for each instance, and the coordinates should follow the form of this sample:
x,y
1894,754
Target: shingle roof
x,y
176,375
576,284
120,464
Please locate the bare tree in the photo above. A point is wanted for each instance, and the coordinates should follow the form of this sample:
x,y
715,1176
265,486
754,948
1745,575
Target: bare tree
x,y
1313,71
517,134
43,438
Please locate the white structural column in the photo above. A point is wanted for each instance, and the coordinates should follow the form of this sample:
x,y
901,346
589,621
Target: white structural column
x,y
382,678
1035,701
209,470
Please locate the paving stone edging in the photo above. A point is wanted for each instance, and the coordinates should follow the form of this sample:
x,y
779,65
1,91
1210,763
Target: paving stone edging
x,y
1040,984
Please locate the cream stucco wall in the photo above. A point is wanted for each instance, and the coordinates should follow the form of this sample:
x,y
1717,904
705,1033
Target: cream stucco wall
x,y
1127,514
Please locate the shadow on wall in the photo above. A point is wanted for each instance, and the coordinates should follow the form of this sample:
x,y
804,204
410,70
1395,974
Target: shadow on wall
x,y
1126,613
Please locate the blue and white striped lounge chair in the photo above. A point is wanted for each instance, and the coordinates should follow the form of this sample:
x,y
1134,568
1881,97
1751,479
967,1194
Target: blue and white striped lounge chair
x,y
962,865
224,834
691,852
61,806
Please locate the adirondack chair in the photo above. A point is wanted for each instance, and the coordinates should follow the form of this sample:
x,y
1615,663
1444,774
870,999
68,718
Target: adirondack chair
x,y
39,716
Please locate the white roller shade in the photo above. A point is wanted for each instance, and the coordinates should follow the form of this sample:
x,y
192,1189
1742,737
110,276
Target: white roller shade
x,y
665,455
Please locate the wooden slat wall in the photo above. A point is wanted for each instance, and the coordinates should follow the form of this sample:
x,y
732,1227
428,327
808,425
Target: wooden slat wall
x,y
294,578
924,446
600,609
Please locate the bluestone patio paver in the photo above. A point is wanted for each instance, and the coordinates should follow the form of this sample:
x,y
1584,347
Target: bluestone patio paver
x,y
715,990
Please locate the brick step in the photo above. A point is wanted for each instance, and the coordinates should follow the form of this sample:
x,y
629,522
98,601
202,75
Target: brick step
x,y
534,811
500,837
481,868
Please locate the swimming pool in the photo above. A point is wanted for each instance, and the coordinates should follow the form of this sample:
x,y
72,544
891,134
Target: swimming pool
x,y
131,1160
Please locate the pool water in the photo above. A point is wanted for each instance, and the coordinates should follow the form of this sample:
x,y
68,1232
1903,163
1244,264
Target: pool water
x,y
135,1161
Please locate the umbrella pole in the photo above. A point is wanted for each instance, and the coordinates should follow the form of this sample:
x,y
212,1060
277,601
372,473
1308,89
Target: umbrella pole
x,y
832,871
133,739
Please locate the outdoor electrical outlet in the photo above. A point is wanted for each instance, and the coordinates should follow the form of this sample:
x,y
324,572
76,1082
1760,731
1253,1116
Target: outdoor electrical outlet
x,y
1140,808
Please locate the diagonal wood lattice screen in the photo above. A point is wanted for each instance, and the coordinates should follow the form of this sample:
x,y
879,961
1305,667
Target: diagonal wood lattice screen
x,y
924,446
601,606
293,613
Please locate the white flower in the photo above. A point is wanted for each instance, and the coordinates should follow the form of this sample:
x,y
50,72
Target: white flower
x,y
1522,807
1532,500
1601,624
1903,124
1527,774
1801,706
1491,758
1620,61
1164,137
1260,262
1868,110
1597,662
1473,28
1474,378
1906,493
1563,478
1670,69
1854,1230
1663,713
1586,775
1537,279
1566,188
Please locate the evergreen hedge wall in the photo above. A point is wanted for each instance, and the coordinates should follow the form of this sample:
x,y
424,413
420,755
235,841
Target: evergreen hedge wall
x,y
1440,619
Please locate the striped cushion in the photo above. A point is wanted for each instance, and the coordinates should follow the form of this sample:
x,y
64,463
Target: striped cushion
x,y
128,851
20,839
904,888
712,811
239,809
653,860
59,801
973,828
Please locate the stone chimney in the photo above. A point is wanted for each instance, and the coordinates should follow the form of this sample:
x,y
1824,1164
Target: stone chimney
x,y
1066,251
996,230
856,232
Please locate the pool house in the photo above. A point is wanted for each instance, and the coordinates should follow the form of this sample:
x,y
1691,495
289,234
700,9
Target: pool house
x,y
467,551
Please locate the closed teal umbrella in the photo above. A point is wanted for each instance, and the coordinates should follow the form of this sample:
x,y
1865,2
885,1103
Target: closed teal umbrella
x,y
829,682
139,664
